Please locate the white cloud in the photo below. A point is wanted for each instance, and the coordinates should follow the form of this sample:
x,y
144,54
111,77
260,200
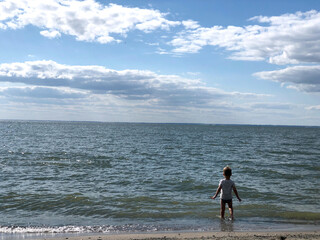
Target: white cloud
x,y
42,92
285,39
49,90
145,87
193,73
50,34
272,106
317,107
87,20
303,78
190,24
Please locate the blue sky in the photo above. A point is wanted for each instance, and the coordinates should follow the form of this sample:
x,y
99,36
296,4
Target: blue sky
x,y
233,62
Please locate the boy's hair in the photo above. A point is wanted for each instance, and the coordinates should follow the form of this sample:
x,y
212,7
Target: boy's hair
x,y
227,171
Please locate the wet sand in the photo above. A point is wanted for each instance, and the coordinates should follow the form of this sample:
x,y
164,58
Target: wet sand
x,y
200,235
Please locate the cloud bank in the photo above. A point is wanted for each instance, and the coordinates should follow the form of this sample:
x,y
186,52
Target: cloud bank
x,y
286,39
41,92
289,39
49,78
50,90
86,20
302,78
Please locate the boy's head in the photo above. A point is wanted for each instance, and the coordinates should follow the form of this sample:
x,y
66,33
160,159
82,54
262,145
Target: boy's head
x,y
227,172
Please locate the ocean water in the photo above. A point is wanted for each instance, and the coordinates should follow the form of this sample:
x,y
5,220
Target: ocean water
x,y
89,177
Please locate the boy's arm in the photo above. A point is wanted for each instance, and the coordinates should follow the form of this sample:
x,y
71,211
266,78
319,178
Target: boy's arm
x,y
236,193
217,192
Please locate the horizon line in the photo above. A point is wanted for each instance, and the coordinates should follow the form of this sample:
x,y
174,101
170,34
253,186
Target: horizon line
x,y
174,123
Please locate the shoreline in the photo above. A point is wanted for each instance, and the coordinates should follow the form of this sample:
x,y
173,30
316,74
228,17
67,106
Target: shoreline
x,y
269,232
246,235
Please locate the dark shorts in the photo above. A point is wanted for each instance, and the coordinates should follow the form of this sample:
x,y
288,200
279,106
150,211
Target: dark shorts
x,y
226,201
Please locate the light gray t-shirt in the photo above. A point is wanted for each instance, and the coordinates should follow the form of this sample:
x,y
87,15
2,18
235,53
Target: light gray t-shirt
x,y
226,189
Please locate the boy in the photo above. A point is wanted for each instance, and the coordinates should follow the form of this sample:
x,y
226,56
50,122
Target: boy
x,y
226,186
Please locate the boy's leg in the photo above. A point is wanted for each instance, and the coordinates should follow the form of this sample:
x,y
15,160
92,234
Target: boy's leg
x,y
230,209
222,208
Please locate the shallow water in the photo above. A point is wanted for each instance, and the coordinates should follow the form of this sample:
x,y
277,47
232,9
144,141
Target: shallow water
x,y
110,177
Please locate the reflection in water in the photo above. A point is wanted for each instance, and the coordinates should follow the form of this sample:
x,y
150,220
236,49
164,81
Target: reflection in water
x,y
226,225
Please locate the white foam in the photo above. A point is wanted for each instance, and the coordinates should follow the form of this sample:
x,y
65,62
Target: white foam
x,y
74,229
62,229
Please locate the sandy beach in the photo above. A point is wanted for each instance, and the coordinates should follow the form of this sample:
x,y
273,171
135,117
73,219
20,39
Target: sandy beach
x,y
200,235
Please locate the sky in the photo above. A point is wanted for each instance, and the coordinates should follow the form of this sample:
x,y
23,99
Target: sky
x,y
181,61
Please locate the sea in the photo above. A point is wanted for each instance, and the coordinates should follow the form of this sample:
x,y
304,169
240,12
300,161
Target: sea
x,y
92,177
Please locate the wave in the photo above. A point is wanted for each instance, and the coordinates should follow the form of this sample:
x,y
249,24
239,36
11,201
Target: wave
x,y
96,229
